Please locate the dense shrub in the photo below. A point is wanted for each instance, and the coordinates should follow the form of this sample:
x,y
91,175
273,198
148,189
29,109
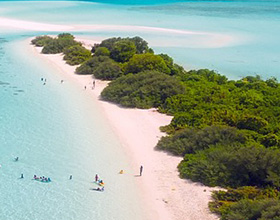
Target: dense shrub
x,y
140,44
76,54
123,50
246,203
190,141
107,70
41,41
102,67
143,90
102,51
143,62
57,45
52,47
233,165
88,67
175,69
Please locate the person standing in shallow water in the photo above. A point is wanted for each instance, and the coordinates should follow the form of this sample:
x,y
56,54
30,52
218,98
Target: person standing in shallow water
x,y
141,170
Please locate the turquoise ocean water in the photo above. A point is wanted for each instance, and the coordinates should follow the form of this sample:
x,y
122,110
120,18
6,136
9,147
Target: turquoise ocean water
x,y
56,130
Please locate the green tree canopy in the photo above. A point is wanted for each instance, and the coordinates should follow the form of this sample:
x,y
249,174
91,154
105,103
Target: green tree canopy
x,y
102,67
143,62
102,51
41,41
57,45
143,90
76,54
107,70
123,50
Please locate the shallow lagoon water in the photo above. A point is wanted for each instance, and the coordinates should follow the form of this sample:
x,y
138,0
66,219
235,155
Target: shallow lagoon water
x,y
57,130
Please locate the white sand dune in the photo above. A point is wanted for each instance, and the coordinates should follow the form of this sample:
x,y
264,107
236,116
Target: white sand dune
x,y
167,196
184,37
32,26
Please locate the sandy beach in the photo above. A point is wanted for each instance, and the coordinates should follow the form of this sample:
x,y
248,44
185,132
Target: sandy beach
x,y
166,195
206,39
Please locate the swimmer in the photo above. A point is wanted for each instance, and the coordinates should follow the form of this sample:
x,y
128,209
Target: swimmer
x,y
21,176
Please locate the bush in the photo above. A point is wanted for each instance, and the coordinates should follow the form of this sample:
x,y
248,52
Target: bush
x,y
233,165
140,44
190,140
123,50
144,62
52,47
102,51
89,66
144,90
107,70
41,41
57,45
102,67
246,203
76,54
249,122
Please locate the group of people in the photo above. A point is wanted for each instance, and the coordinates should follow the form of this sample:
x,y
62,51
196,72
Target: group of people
x,y
93,85
97,179
44,80
100,183
42,178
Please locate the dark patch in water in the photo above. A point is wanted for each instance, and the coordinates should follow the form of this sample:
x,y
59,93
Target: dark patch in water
x,y
19,90
3,40
4,83
15,93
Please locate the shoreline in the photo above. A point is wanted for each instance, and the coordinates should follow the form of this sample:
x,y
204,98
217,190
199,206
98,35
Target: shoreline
x,y
166,195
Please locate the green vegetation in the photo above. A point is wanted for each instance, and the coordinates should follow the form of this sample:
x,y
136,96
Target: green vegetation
x,y
246,203
41,41
227,132
140,44
123,50
143,90
142,62
115,57
102,51
76,54
55,45
102,67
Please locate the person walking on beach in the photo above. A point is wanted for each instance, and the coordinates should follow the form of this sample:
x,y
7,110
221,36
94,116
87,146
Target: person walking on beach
x,y
96,178
141,170
93,84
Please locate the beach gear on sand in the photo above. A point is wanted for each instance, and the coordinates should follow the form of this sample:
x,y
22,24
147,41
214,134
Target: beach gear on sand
x,y
101,183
